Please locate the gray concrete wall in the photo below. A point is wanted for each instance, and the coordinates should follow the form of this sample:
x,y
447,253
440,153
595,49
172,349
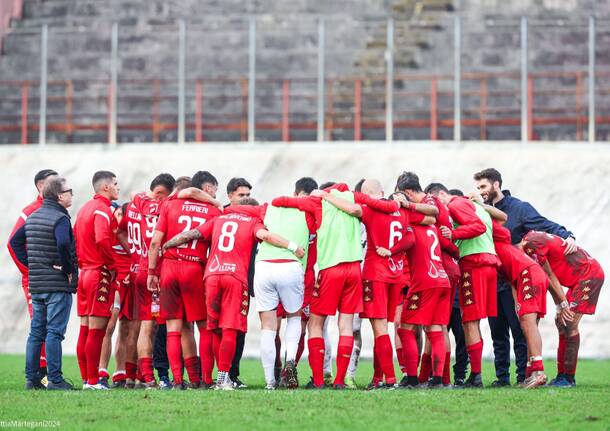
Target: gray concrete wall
x,y
567,182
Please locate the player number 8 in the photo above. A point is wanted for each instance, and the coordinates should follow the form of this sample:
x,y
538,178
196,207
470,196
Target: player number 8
x,y
226,242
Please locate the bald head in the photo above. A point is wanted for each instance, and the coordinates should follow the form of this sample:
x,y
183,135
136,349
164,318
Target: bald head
x,y
372,188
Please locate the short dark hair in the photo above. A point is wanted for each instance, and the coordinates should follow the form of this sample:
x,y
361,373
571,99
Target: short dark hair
x,y
358,186
490,174
435,188
327,184
124,208
182,183
100,176
165,180
203,177
408,181
53,188
235,183
456,192
306,185
248,201
41,175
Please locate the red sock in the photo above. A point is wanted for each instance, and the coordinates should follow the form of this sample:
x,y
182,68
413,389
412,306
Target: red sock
x,y
437,339
103,373
344,354
193,369
174,354
401,360
206,353
409,351
475,354
216,345
93,350
80,351
528,371
227,349
139,376
571,354
145,366
301,348
425,367
536,366
43,356
316,359
118,376
447,369
130,370
386,358
561,354
377,370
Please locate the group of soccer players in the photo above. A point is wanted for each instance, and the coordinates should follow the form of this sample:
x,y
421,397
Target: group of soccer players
x,y
175,257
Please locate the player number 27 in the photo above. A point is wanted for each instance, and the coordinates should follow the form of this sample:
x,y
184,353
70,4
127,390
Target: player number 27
x,y
188,222
226,241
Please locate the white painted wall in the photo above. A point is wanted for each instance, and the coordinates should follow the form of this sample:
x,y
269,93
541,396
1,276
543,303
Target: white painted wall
x,y
566,182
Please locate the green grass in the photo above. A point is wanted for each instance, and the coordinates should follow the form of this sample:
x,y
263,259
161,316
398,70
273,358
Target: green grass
x,y
586,407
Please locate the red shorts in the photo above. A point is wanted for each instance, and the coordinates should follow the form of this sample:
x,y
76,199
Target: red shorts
x,y
182,292
380,299
531,291
227,303
583,297
125,286
478,293
95,293
427,307
339,288
143,297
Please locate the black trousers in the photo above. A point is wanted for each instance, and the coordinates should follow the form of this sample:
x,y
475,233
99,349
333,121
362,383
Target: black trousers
x,y
240,341
461,355
507,320
160,361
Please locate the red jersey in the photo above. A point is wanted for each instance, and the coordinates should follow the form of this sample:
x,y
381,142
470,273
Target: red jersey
x,y
232,238
94,232
570,269
130,223
449,251
182,215
384,230
149,210
122,259
513,261
25,213
425,261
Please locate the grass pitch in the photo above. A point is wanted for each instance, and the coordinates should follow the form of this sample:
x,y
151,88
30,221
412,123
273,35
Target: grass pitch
x,y
586,407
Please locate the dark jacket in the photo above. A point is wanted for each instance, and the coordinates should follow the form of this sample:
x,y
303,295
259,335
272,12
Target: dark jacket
x,y
522,218
51,249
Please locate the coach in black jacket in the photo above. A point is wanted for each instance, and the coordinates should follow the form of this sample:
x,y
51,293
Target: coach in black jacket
x,y
522,218
50,256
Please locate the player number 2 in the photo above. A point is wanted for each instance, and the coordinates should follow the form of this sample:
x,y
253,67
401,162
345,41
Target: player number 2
x,y
226,242
188,222
434,247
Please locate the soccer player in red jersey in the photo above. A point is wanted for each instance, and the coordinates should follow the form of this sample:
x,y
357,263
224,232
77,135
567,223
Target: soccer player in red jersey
x,y
122,263
427,302
40,179
231,238
180,284
478,262
408,182
142,215
94,232
530,285
583,276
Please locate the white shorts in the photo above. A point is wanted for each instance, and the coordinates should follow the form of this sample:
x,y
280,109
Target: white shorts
x,y
276,282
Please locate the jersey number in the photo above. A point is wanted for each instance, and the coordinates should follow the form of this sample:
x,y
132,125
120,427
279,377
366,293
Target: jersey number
x,y
226,241
395,233
188,222
434,255
134,237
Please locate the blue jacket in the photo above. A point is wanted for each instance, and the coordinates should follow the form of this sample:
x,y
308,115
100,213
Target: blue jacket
x,y
522,218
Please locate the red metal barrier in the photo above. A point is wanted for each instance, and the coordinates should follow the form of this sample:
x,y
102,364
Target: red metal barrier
x,y
352,104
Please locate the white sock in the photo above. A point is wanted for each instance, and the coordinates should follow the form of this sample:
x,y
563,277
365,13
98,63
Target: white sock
x,y
268,354
328,357
293,335
353,361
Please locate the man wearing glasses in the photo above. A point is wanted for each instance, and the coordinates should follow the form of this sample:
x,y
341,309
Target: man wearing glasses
x,y
50,257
